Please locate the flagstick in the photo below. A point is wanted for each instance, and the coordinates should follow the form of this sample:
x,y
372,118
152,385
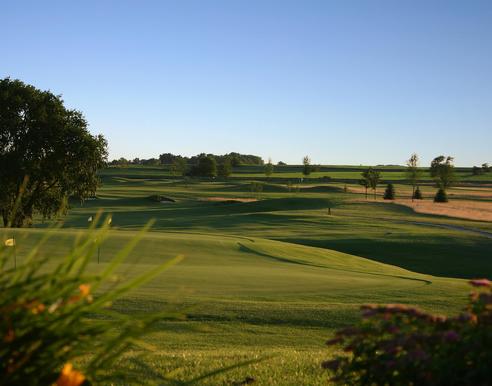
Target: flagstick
x,y
98,253
15,254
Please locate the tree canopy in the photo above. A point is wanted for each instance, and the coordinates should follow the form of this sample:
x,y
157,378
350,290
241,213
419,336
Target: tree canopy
x,y
236,159
224,169
306,168
206,167
47,154
269,168
442,170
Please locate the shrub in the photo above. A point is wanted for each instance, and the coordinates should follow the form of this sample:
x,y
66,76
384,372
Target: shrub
x,y
400,345
389,193
417,195
50,317
256,188
441,196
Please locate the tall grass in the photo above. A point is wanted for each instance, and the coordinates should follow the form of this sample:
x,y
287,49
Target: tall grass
x,y
53,319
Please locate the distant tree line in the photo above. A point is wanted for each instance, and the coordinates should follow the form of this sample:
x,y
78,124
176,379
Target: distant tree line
x,y
478,170
181,165
236,159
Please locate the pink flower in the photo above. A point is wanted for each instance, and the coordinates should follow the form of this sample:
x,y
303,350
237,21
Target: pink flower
x,y
481,283
451,336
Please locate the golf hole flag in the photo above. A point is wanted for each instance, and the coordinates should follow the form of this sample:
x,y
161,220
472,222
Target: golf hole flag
x,y
110,220
10,243
89,219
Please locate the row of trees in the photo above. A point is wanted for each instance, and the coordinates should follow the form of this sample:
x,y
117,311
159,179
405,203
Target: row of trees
x,y
478,170
236,159
441,170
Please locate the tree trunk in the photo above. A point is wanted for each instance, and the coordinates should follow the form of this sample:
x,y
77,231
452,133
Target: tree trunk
x,y
5,218
413,191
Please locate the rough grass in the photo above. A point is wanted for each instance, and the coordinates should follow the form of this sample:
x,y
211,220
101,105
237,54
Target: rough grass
x,y
466,209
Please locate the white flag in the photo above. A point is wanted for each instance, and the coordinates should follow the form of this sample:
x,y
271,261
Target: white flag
x,y
10,242
89,219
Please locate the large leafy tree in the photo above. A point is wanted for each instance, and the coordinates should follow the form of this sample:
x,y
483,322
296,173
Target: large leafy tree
x,y
442,170
206,167
46,154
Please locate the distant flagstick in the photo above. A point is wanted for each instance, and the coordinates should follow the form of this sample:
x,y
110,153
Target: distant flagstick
x,y
89,220
11,243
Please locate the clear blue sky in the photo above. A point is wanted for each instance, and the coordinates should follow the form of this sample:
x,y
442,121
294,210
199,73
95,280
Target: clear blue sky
x,y
346,82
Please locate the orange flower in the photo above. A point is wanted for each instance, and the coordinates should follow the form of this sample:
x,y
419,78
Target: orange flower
x,y
70,377
9,336
38,308
85,290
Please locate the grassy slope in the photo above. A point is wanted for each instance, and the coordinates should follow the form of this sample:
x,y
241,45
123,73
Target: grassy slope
x,y
247,297
254,282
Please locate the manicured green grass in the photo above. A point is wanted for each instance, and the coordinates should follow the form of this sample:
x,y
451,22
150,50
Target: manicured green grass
x,y
271,277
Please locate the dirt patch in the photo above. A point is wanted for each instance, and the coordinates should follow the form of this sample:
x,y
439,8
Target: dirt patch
x,y
228,199
467,209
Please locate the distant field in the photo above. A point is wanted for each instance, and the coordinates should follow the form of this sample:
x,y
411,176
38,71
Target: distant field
x,y
274,274
389,173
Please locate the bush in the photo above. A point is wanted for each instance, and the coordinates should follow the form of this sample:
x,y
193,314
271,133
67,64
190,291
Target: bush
x,y
50,318
441,196
389,193
160,198
400,345
417,194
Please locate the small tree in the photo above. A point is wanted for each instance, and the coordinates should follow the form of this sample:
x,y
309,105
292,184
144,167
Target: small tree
x,y
389,193
417,195
224,169
269,168
364,182
485,167
256,188
375,177
370,179
441,196
442,170
306,170
476,170
413,172
178,166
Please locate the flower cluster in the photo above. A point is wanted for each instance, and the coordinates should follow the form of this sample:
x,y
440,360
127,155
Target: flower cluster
x,y
400,345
